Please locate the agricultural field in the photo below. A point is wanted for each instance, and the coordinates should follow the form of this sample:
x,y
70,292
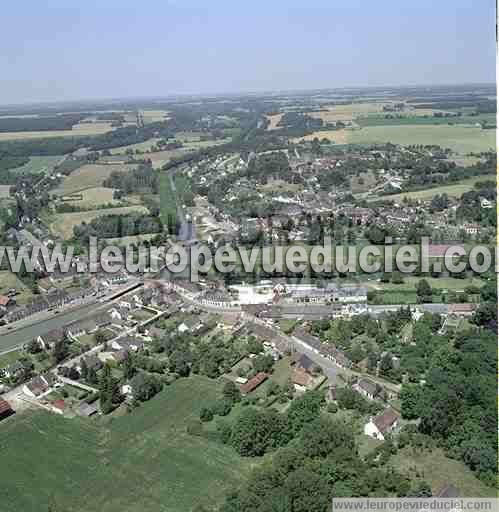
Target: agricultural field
x,y
404,119
274,121
94,197
99,197
192,145
462,139
188,136
452,190
39,164
141,146
154,116
140,462
336,136
5,191
349,111
160,158
63,223
440,283
79,130
89,176
438,470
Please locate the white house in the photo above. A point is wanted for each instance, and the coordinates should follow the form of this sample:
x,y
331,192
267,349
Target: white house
x,y
127,343
382,424
126,389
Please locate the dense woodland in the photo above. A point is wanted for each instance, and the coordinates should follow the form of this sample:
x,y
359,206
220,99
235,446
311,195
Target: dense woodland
x,y
43,123
114,226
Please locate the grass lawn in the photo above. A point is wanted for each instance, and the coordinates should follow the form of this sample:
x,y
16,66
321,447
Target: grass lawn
x,y
438,470
391,297
286,325
141,315
453,190
9,358
280,375
167,199
9,280
87,339
139,462
366,444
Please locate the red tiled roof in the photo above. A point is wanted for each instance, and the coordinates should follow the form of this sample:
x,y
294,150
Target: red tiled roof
x,y
4,300
254,382
466,307
386,420
59,404
439,250
4,406
300,377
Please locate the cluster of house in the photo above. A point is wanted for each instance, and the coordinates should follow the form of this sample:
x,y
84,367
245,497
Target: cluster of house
x,y
326,350
377,427
306,373
275,299
56,299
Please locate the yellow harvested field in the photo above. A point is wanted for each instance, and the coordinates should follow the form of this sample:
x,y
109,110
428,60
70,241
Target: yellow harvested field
x,y
154,116
160,158
351,110
274,121
79,130
336,136
89,176
65,222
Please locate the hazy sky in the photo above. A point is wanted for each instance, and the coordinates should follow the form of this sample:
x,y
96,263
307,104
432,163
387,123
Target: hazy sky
x,y
77,49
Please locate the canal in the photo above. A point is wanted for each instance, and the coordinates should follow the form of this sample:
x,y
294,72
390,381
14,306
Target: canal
x,y
10,340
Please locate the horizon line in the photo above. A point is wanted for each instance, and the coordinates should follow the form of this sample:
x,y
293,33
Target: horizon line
x,y
242,93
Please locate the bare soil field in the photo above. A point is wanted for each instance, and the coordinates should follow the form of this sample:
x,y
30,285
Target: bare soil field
x,y
274,120
336,136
